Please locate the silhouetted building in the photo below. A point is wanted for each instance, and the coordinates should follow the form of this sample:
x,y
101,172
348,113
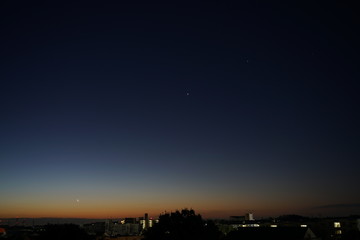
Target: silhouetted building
x,y
130,220
97,228
146,221
237,219
249,217
116,228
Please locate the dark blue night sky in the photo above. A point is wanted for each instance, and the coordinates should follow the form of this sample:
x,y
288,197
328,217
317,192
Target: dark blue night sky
x,y
220,106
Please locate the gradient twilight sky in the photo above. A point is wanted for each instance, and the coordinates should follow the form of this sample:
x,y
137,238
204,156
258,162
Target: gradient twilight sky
x,y
221,107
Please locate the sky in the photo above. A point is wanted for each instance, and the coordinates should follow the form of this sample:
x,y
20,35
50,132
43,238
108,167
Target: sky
x,y
116,109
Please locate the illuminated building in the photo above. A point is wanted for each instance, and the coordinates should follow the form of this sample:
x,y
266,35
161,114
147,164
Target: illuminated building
x,y
249,217
129,227
146,222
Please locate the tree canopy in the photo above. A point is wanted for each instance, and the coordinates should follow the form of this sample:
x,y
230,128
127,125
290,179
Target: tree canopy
x,y
184,224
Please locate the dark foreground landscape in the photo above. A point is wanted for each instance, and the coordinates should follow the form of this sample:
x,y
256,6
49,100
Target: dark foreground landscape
x,y
187,225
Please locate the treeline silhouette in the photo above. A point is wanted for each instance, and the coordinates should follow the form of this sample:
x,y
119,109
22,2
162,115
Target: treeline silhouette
x,y
181,225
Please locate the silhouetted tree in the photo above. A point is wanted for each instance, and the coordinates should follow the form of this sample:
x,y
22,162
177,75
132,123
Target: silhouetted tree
x,y
182,225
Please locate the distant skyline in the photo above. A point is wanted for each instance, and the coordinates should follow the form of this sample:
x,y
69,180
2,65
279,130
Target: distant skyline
x,y
114,109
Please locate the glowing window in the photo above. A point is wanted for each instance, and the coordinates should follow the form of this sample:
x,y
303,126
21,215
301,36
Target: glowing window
x,y
338,232
337,225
